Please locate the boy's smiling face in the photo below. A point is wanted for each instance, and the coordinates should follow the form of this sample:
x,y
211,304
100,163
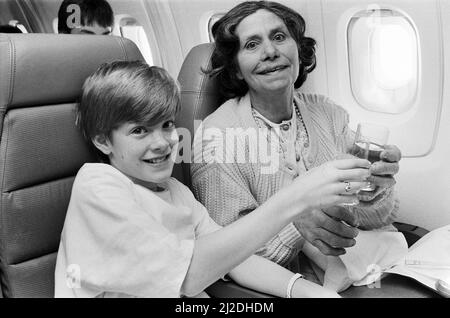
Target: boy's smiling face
x,y
145,154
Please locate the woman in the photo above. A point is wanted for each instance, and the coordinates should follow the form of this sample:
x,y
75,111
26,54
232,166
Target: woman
x,y
261,58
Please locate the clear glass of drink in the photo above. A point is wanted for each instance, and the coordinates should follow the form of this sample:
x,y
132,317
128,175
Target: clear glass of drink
x,y
370,140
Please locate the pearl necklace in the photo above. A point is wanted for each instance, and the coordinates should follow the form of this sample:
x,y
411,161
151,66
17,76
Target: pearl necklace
x,y
299,116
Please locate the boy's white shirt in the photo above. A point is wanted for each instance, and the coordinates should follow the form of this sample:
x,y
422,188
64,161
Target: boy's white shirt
x,y
121,239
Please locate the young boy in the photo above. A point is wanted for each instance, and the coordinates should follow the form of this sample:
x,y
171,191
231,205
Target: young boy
x,y
133,231
85,17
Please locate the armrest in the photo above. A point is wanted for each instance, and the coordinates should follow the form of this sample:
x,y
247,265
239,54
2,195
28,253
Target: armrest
x,y
230,289
412,233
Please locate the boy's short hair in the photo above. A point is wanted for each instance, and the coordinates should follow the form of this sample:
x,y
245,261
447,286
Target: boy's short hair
x,y
120,92
90,10
9,29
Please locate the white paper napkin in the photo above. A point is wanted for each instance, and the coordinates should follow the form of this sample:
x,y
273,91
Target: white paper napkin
x,y
374,252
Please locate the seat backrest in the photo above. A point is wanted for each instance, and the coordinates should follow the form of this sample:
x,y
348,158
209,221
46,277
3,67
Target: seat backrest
x,y
200,95
41,150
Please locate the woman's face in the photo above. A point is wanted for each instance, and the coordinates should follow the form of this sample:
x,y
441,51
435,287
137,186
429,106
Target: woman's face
x,y
268,54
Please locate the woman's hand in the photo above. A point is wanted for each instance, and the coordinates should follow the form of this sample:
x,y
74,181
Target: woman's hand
x,y
325,230
382,172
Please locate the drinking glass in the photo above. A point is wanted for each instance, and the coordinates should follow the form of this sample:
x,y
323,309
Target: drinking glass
x,y
370,140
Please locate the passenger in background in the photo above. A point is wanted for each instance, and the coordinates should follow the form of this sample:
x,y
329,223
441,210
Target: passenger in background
x,y
85,17
132,230
9,29
261,59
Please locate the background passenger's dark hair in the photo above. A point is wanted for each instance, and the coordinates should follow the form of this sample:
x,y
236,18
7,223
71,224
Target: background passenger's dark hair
x,y
9,29
224,61
120,92
91,11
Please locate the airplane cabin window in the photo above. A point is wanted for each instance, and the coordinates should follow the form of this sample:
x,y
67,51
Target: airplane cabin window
x,y
214,18
384,61
55,25
128,27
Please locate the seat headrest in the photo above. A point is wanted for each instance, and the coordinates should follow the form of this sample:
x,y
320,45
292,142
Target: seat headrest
x,y
200,93
191,75
199,97
25,57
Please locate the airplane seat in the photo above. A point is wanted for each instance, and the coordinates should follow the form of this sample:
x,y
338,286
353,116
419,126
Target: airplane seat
x,y
41,149
200,95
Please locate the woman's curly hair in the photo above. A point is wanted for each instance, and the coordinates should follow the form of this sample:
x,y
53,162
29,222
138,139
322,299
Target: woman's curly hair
x,y
224,57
